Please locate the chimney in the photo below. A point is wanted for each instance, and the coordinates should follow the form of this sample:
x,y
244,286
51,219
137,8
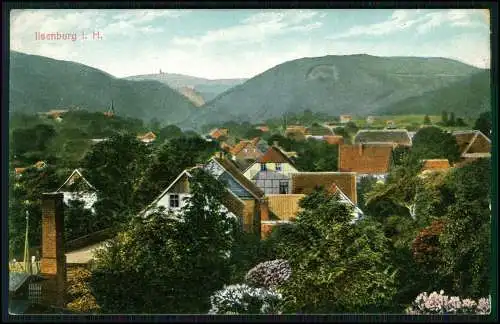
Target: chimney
x,y
219,155
264,210
53,262
276,143
360,149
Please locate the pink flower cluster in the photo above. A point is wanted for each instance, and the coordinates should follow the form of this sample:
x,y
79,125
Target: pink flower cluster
x,y
439,303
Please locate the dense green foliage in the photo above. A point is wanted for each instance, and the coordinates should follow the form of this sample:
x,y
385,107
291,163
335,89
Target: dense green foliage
x,y
120,168
466,97
337,266
483,123
313,155
171,263
466,237
434,143
454,256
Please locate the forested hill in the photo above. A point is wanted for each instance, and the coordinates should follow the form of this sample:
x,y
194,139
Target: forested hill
x,y
39,83
467,97
355,84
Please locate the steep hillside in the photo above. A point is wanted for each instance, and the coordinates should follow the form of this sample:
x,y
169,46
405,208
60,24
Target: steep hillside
x,y
207,88
195,97
467,98
355,84
39,83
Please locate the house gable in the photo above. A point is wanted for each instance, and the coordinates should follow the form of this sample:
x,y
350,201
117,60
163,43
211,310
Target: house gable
x,y
76,182
479,144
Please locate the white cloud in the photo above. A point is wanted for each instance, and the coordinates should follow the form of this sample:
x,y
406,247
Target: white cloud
x,y
399,20
423,20
454,17
257,28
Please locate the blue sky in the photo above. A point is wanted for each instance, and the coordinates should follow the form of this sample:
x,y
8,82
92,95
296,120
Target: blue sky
x,y
243,43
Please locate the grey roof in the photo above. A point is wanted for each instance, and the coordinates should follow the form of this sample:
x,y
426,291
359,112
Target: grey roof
x,y
17,279
398,136
243,164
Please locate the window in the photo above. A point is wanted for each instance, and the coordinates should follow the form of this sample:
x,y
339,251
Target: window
x,y
263,167
174,201
283,187
278,166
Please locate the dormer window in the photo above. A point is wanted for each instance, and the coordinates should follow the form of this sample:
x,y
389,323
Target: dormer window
x,y
263,167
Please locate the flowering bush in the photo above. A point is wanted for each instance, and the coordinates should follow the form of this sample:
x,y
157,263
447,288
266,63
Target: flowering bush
x,y
243,299
439,303
269,274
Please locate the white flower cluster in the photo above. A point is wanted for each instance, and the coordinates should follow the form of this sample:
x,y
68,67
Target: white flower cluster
x,y
269,274
243,299
439,303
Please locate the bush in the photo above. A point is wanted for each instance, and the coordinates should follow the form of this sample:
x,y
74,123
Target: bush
x,y
243,299
436,303
269,274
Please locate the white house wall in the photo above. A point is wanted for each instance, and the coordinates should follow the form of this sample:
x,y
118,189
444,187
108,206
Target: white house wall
x,y
286,169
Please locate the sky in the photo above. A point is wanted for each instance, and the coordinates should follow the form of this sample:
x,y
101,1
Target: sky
x,y
237,43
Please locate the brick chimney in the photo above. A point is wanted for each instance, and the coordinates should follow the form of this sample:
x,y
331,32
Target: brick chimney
x,y
53,262
264,210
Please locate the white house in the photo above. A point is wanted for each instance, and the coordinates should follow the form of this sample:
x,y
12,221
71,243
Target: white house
x,y
273,160
76,187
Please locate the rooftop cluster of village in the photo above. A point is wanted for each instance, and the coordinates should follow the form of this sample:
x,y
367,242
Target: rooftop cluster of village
x,y
264,184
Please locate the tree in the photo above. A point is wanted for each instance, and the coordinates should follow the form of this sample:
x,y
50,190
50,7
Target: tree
x,y
460,122
452,121
427,120
171,263
434,143
25,196
466,239
169,132
336,266
252,133
483,123
444,118
30,140
115,166
184,152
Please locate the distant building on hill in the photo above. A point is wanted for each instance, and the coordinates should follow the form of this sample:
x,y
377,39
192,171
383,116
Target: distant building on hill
x,y
345,119
370,119
147,138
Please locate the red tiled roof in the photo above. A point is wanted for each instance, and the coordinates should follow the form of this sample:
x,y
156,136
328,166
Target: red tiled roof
x,y
239,147
306,182
147,136
334,139
435,164
39,164
263,128
274,155
365,158
19,170
218,132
